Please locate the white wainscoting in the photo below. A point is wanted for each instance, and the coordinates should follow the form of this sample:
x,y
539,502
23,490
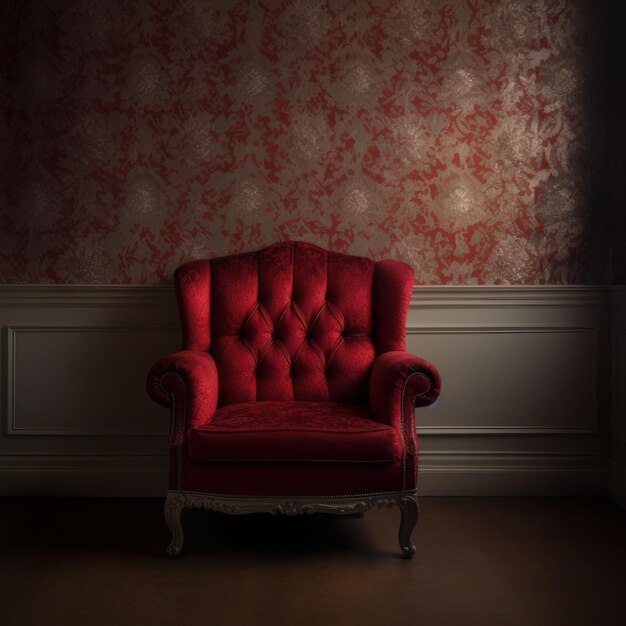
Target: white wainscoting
x,y
525,407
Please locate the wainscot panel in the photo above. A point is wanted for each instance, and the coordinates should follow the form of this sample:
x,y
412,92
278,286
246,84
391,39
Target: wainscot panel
x,y
525,407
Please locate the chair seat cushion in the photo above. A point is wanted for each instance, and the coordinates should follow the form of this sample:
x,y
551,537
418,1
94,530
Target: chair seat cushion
x,y
294,432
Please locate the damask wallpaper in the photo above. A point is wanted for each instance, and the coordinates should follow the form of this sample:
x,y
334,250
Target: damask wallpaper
x,y
450,134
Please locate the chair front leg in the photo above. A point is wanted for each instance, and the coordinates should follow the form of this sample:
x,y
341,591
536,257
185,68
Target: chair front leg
x,y
409,512
174,504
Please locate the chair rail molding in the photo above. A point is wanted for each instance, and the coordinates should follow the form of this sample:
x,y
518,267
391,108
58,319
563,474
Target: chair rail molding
x,y
525,407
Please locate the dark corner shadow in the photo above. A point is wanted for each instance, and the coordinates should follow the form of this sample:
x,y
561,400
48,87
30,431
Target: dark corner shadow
x,y
607,129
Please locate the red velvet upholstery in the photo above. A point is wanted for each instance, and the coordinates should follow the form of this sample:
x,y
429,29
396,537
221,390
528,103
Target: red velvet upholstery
x,y
187,382
294,431
290,330
292,479
293,379
400,382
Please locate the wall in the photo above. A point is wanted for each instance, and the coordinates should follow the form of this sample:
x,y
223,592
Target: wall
x,y
468,138
525,407
618,413
451,134
613,185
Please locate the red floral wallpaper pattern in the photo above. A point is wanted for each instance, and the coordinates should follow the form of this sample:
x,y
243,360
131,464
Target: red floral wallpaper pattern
x,y
450,134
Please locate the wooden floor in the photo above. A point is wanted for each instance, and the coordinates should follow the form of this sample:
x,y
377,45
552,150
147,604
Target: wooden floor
x,y
499,561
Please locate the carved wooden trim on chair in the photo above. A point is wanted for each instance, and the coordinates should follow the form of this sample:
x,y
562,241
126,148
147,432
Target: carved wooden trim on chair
x,y
176,501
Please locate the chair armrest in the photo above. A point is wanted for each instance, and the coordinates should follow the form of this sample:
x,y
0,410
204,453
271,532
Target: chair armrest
x,y
187,382
400,382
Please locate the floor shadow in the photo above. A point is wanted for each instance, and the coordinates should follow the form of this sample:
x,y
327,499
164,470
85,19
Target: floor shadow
x,y
276,535
123,527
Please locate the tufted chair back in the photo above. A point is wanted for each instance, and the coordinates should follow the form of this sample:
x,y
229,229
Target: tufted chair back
x,y
293,321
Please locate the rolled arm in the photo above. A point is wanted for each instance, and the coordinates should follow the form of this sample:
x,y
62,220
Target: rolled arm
x,y
399,382
187,382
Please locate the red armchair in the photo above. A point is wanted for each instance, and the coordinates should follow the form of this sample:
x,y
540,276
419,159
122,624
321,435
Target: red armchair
x,y
293,392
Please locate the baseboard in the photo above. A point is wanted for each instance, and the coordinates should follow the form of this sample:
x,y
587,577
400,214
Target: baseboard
x,y
513,475
440,475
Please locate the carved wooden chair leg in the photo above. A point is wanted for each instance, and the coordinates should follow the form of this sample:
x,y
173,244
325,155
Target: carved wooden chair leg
x,y
409,511
173,509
